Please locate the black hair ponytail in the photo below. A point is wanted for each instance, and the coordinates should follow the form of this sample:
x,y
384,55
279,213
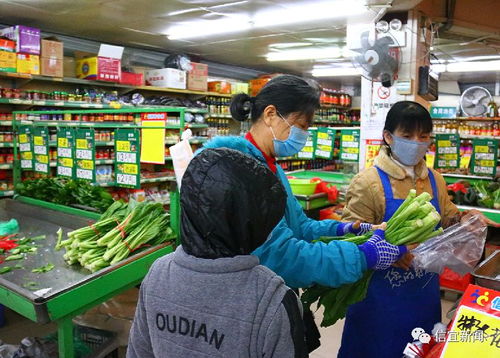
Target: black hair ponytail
x,y
241,107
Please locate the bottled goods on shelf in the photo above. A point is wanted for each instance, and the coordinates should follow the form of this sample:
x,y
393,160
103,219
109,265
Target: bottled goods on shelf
x,y
82,117
492,109
218,105
335,98
38,95
220,125
475,128
335,116
316,164
6,156
6,117
6,135
104,135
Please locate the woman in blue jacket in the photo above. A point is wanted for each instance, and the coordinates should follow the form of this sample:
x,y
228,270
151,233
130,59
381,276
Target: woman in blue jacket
x,y
281,114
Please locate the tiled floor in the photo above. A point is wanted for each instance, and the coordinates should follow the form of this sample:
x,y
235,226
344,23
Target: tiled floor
x,y
19,327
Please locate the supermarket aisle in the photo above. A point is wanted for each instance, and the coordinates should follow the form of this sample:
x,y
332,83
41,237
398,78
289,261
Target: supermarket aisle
x,y
331,336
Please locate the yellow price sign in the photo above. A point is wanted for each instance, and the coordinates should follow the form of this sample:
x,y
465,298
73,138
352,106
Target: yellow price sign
x,y
444,143
81,144
487,163
122,146
308,149
63,142
429,159
348,138
23,138
27,155
351,150
66,162
322,135
44,159
466,340
130,169
482,149
450,156
38,140
86,164
465,161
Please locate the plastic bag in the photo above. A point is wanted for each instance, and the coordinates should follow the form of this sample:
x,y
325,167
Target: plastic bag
x,y
459,248
9,227
181,156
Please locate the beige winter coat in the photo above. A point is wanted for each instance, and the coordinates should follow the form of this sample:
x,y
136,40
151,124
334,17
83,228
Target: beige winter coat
x,y
365,199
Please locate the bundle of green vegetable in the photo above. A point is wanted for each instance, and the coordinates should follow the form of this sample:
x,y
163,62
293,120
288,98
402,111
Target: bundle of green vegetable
x,y
66,192
414,222
121,230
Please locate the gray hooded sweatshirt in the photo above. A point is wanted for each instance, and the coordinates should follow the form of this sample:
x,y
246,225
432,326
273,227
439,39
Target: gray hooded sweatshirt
x,y
228,307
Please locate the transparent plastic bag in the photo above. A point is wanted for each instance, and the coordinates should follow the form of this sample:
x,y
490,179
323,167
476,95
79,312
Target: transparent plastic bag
x,y
459,248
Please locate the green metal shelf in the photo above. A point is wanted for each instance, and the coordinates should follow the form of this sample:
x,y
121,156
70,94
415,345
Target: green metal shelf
x,y
6,193
5,123
97,162
53,143
6,145
116,110
6,166
143,181
491,214
197,125
316,121
453,178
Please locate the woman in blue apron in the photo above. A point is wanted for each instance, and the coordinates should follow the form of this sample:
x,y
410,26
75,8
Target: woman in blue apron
x,y
399,299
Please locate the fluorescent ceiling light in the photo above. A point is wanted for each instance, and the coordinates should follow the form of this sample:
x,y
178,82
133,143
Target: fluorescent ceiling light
x,y
438,68
305,54
282,15
473,66
336,72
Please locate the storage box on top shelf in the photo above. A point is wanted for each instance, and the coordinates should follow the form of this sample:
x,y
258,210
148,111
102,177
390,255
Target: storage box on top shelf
x,y
256,85
239,87
106,66
52,67
29,64
7,45
197,77
223,87
69,66
8,61
166,77
52,48
133,79
27,38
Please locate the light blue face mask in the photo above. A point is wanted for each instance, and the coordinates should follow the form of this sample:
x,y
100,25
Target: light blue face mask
x,y
408,152
293,144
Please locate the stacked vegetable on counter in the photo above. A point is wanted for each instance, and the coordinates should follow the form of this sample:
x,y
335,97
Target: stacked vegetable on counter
x,y
482,194
120,231
414,222
66,192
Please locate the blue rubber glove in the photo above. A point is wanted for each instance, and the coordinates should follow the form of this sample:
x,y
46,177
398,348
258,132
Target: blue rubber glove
x,y
380,254
348,228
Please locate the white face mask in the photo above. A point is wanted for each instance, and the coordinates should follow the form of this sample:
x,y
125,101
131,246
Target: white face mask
x,y
408,152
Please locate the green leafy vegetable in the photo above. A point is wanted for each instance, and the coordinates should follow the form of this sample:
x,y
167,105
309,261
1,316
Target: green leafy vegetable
x,y
43,269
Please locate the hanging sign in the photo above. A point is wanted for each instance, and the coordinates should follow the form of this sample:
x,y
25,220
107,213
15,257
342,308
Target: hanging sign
x,y
41,150
153,140
443,112
127,165
372,148
65,152
447,151
308,152
484,157
324,143
25,148
349,145
475,331
85,154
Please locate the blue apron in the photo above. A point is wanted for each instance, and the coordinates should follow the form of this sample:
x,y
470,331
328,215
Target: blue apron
x,y
397,301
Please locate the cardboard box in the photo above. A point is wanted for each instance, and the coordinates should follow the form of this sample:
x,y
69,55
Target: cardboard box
x,y
197,78
222,87
28,64
133,79
106,66
8,61
257,84
7,45
52,48
239,87
27,38
52,67
69,66
166,77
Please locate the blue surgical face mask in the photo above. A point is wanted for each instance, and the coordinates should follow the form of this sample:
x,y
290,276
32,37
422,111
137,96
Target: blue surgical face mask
x,y
293,144
408,152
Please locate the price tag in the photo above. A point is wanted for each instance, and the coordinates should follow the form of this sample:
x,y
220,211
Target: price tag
x,y
349,145
127,155
308,152
65,152
84,156
324,145
153,140
447,151
372,149
41,149
23,138
484,157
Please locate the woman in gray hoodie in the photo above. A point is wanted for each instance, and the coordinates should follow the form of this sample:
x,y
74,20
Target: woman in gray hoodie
x,y
211,297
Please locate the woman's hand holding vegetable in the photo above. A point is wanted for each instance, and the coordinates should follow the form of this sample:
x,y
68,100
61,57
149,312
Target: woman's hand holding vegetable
x,y
357,228
380,254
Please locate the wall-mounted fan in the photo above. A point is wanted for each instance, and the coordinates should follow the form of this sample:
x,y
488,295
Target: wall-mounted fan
x,y
474,101
379,60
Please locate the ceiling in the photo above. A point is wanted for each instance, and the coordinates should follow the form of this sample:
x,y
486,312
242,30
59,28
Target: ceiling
x,y
463,32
